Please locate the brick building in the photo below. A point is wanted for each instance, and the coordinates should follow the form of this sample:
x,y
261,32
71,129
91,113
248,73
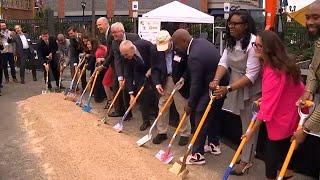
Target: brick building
x,y
17,9
71,8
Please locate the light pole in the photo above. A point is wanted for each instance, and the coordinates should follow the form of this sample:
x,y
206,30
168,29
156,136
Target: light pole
x,y
83,5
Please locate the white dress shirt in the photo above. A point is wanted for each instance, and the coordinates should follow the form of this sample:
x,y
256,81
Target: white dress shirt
x,y
253,63
24,41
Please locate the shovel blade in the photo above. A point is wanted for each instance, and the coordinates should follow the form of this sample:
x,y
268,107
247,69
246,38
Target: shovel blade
x,y
176,168
104,120
164,156
87,108
78,103
144,140
118,127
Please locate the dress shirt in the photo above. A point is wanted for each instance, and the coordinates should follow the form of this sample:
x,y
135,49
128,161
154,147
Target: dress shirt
x,y
24,41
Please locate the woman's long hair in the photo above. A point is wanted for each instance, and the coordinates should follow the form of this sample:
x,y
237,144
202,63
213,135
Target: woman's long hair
x,y
277,56
251,29
95,44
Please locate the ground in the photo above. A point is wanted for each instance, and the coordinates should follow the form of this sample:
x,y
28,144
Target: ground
x,y
47,137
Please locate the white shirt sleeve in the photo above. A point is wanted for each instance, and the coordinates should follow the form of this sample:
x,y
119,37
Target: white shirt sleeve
x,y
224,59
253,65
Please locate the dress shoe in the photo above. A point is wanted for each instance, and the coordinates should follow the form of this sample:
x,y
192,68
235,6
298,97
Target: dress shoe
x,y
15,80
22,81
159,138
145,125
114,114
34,79
183,140
7,81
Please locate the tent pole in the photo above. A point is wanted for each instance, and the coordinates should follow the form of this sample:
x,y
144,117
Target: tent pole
x,y
213,33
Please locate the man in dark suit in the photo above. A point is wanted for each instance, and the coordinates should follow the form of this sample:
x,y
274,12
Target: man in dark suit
x,y
168,70
24,50
47,53
119,34
203,59
137,68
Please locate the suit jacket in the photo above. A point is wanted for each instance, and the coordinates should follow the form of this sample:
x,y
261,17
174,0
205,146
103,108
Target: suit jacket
x,y
118,59
19,46
107,42
179,69
75,49
202,63
136,68
45,50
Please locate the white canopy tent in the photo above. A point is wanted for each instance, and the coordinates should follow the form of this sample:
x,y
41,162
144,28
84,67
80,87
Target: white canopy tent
x,y
179,12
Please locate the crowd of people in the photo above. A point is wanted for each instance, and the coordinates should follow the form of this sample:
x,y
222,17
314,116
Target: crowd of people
x,y
253,67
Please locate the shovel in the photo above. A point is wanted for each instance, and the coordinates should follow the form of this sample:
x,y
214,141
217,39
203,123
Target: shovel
x,y
79,101
87,107
166,156
178,168
293,145
104,119
242,144
148,137
73,91
67,90
47,82
119,126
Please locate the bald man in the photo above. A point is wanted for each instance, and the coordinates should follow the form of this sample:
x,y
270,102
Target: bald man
x,y
203,59
312,125
63,50
137,63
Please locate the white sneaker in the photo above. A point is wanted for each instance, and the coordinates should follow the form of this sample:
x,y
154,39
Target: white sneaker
x,y
213,149
196,159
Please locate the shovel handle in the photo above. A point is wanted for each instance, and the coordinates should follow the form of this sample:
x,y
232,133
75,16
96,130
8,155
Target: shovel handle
x,y
243,142
203,119
115,98
94,82
287,160
135,99
183,119
82,72
87,86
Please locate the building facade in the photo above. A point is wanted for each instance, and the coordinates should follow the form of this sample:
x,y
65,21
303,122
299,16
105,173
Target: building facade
x,y
17,9
121,7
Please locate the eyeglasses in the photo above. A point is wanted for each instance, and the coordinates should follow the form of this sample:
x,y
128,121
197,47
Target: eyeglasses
x,y
234,24
256,46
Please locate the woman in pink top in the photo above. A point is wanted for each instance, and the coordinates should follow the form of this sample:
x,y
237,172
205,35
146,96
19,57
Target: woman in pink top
x,y
281,88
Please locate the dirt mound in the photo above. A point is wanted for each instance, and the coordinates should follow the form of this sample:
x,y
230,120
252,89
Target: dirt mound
x,y
72,144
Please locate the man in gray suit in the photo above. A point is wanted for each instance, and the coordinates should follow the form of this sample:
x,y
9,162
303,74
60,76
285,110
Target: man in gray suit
x,y
24,51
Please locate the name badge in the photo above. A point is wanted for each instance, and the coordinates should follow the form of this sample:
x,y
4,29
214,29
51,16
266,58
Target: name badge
x,y
177,58
28,40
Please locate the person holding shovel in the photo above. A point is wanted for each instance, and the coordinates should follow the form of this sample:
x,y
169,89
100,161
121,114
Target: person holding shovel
x,y
312,124
137,70
245,82
47,49
281,88
203,59
168,70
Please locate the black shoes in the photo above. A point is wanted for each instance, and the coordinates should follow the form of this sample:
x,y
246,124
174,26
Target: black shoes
x,y
34,78
22,81
145,125
159,138
184,140
15,80
114,114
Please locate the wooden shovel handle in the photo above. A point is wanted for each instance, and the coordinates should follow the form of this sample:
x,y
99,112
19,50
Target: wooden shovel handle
x,y
115,97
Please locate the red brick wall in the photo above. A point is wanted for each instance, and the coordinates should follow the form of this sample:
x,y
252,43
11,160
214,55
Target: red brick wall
x,y
61,8
17,13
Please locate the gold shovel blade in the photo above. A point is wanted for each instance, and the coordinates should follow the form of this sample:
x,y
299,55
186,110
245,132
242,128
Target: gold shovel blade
x,y
176,168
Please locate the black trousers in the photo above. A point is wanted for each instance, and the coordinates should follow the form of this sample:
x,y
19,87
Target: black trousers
x,y
1,69
122,102
148,103
8,58
211,127
54,70
99,92
275,153
24,57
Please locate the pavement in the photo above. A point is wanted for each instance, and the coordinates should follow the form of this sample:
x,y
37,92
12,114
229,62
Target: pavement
x,y
17,162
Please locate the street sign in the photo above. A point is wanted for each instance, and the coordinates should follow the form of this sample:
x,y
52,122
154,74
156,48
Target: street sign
x,y
226,7
135,5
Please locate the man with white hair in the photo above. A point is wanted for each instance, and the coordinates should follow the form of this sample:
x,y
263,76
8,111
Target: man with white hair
x,y
63,50
119,34
137,67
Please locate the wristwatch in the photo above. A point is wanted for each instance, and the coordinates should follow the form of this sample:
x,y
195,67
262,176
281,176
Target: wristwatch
x,y
229,88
